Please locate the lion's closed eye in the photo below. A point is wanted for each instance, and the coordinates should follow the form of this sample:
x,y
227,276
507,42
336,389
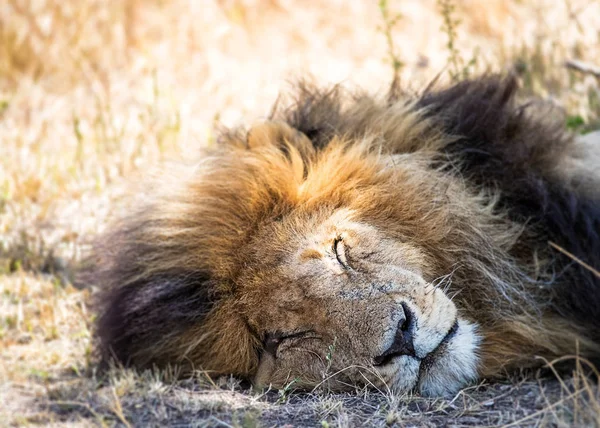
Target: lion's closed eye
x,y
274,342
339,249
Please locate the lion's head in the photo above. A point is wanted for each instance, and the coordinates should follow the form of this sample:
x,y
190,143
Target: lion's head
x,y
359,256
342,300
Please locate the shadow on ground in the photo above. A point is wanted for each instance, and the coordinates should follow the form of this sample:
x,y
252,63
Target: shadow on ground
x,y
129,399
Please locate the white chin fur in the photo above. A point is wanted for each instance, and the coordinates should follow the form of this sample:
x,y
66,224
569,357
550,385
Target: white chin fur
x,y
455,366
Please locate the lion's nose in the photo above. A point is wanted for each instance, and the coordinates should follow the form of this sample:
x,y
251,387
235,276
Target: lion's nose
x,y
403,340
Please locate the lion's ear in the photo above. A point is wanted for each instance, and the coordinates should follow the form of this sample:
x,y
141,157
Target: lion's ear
x,y
278,134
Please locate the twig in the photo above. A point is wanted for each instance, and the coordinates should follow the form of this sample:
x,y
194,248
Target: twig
x,y
117,409
581,262
583,67
219,422
389,23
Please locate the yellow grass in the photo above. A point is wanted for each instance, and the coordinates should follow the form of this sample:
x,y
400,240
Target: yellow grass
x,y
95,92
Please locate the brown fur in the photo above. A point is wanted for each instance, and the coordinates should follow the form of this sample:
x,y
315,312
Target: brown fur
x,y
227,254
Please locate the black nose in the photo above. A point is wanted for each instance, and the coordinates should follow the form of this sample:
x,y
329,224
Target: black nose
x,y
403,340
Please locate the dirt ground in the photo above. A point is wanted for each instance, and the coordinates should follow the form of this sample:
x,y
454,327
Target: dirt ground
x,y
96,94
151,400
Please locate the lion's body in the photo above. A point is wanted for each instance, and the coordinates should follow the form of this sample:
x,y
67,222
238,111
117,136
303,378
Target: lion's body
x,y
233,265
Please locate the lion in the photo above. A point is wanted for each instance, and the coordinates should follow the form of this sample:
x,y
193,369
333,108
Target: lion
x,y
419,241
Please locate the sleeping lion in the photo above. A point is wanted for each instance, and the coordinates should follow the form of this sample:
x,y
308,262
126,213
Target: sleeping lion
x,y
417,241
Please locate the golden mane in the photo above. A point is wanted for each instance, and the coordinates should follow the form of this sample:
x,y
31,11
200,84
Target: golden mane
x,y
465,175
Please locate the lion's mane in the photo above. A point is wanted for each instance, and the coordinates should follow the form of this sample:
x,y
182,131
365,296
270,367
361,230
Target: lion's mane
x,y
167,271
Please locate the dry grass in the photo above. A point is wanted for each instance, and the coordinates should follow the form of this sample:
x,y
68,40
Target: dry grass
x,y
93,93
